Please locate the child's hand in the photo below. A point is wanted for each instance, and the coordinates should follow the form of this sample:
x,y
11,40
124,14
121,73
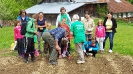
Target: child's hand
x,y
36,33
84,51
90,49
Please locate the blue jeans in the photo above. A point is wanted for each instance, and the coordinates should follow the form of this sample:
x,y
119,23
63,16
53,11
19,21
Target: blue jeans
x,y
111,37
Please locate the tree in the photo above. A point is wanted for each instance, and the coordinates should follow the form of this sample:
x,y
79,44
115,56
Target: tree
x,y
130,1
10,8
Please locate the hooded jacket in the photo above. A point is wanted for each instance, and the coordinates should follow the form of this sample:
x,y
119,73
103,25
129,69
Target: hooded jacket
x,y
30,28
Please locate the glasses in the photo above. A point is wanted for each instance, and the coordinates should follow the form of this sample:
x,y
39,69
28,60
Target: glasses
x,y
23,12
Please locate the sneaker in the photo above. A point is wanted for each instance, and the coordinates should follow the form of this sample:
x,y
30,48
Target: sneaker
x,y
63,55
39,51
69,57
80,61
86,54
26,61
52,62
101,51
110,51
33,60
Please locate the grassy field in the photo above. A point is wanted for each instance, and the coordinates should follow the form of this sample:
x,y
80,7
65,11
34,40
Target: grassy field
x,y
123,39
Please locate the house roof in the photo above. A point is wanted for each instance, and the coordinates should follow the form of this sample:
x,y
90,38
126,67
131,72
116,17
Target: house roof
x,y
91,1
119,7
86,1
53,8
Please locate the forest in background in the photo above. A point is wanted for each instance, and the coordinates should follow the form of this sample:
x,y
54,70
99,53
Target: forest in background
x,y
9,9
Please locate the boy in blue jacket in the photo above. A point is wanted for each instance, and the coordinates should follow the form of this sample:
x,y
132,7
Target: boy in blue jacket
x,y
91,47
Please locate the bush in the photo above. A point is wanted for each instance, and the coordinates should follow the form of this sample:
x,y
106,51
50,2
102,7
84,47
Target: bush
x,y
101,11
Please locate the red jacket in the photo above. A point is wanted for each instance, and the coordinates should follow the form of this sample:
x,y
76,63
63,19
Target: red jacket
x,y
67,28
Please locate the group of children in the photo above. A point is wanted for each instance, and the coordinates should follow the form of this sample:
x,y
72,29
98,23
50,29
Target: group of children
x,y
91,46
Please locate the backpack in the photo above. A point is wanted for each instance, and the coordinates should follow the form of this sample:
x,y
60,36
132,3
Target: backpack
x,y
23,28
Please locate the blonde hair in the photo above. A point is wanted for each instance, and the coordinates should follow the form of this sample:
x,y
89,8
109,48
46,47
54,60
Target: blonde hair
x,y
101,22
48,26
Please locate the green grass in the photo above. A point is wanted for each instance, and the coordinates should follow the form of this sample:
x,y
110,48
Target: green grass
x,y
123,39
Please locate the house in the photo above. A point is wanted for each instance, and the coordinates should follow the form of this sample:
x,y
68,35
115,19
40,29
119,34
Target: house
x,y
51,8
120,8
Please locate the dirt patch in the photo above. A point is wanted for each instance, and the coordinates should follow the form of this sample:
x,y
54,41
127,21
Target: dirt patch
x,y
102,64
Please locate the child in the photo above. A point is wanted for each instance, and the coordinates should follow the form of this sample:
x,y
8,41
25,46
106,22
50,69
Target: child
x,y
91,47
65,47
30,32
100,34
18,38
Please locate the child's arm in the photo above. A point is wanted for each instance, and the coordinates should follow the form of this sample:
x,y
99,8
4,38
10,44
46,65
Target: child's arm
x,y
95,48
15,35
104,31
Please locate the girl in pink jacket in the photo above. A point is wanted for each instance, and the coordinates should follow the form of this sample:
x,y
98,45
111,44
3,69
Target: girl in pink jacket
x,y
18,38
100,34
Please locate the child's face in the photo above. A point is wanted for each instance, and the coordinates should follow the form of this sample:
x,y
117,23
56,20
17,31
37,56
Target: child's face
x,y
64,20
48,27
100,22
18,24
93,40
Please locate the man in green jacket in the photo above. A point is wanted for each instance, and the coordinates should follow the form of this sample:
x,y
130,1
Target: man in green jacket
x,y
30,32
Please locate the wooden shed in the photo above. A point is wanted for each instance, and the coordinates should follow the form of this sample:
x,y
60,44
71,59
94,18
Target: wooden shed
x,y
51,8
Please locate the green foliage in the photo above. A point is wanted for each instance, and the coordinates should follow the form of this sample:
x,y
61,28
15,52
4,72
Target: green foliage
x,y
101,11
10,8
130,1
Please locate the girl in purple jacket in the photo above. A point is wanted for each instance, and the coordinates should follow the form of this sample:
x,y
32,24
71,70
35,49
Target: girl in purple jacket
x,y
100,34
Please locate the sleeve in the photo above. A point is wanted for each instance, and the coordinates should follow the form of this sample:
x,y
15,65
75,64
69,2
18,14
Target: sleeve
x,y
72,27
69,20
114,24
27,18
92,26
15,34
84,46
57,20
96,48
104,31
28,27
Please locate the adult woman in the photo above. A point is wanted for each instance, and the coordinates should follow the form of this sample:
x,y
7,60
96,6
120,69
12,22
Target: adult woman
x,y
41,26
62,15
22,17
77,29
110,27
